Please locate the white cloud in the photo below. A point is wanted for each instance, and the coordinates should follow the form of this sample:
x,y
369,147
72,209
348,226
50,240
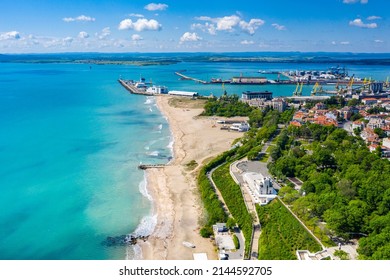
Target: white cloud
x,y
204,18
104,33
12,35
378,41
227,23
246,42
79,18
156,7
355,1
334,43
136,37
190,37
140,25
136,15
251,26
83,35
373,17
345,43
359,23
207,27
279,27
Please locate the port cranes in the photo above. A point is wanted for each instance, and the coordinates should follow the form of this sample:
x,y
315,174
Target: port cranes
x,y
298,89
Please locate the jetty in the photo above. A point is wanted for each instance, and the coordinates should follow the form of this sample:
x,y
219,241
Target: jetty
x,y
133,89
147,166
184,77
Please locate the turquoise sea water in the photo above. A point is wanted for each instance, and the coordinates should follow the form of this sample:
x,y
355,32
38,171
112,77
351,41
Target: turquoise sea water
x,y
71,140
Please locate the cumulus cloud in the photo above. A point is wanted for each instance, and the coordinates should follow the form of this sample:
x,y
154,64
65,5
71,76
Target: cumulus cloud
x,y
355,1
229,23
373,17
11,35
79,18
136,37
156,7
83,35
246,42
251,26
104,33
190,37
207,27
279,27
359,23
140,25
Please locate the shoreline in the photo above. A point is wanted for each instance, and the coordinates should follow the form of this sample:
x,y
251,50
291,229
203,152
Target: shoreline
x,y
176,201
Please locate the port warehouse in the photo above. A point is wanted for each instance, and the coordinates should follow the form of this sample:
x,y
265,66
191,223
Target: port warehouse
x,y
183,93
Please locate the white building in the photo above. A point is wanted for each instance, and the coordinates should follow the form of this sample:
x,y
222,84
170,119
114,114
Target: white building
x,y
260,187
386,143
241,127
157,90
183,93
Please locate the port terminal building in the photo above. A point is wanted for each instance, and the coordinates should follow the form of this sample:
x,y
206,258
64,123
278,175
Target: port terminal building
x,y
249,95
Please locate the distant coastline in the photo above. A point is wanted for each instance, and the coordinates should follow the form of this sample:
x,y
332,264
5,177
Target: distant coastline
x,y
146,59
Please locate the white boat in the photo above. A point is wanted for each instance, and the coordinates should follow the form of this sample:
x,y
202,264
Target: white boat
x,y
188,244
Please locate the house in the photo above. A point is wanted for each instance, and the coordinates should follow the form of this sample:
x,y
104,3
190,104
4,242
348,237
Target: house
x,y
295,123
346,113
358,124
220,227
369,101
369,136
386,143
376,123
373,147
319,106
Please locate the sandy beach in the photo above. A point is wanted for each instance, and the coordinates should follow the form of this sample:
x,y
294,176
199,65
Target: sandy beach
x,y
173,188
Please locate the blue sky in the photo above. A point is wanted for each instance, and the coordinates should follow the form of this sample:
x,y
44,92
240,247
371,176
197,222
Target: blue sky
x,y
43,26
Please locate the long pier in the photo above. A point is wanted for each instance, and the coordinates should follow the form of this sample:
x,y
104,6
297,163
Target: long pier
x,y
184,77
133,89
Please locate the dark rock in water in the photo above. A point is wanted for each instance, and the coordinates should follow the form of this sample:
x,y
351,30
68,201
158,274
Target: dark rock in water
x,y
122,240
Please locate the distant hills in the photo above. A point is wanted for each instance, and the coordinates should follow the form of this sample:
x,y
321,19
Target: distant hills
x,y
144,59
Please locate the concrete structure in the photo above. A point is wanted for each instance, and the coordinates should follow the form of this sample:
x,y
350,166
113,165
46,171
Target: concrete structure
x,y
261,187
249,95
305,255
248,80
183,93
